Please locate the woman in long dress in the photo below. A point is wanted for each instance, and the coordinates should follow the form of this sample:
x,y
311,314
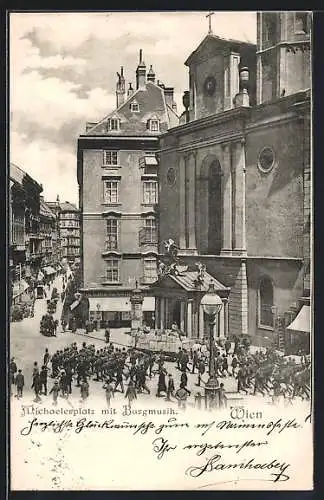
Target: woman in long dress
x,y
130,393
161,383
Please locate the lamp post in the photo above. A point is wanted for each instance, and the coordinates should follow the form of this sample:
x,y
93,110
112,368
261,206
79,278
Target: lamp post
x,y
212,304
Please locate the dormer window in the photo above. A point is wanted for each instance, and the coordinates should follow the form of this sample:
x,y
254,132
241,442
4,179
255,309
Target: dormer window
x,y
134,107
154,125
113,124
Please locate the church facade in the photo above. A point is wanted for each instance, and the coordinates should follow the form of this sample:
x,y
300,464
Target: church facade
x,y
235,175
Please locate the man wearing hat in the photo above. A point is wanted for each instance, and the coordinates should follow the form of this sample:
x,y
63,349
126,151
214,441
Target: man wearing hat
x,y
55,391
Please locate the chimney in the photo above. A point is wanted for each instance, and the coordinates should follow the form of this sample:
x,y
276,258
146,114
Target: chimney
x,y
120,88
168,94
151,75
141,73
130,91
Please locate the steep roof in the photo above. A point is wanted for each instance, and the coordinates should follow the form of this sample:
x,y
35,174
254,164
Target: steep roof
x,y
45,210
16,173
66,206
60,206
216,42
151,103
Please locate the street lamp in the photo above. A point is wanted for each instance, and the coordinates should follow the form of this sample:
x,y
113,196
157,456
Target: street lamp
x,y
212,304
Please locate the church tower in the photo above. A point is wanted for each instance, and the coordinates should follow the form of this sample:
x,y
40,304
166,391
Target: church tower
x,y
283,54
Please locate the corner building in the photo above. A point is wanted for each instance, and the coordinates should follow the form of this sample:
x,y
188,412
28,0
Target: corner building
x,y
235,175
118,191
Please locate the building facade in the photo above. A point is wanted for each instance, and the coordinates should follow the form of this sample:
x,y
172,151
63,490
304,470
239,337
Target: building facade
x,y
69,229
118,190
235,175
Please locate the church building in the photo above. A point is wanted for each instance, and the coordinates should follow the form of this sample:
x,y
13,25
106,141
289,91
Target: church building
x,y
234,181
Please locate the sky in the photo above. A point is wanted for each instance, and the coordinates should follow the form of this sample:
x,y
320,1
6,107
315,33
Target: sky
x,y
63,73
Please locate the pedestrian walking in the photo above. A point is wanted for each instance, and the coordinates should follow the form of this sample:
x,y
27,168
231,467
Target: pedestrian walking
x,y
201,371
161,383
43,380
179,358
46,357
228,346
12,371
36,385
130,393
119,378
107,335
20,382
84,389
109,392
55,391
184,378
170,388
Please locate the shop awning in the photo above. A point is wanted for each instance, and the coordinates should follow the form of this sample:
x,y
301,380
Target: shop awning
x,y
19,288
149,304
49,270
302,321
112,304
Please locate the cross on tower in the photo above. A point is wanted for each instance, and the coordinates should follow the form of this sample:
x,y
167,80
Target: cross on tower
x,y
210,31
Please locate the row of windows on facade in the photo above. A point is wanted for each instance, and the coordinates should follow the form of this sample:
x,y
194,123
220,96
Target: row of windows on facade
x,y
111,192
73,216
70,241
115,124
70,223
148,234
111,158
113,270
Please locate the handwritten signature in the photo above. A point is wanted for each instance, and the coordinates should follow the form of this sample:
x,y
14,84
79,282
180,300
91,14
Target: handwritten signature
x,y
215,463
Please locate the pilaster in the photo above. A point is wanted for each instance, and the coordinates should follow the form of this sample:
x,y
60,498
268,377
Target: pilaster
x,y
227,201
182,202
240,218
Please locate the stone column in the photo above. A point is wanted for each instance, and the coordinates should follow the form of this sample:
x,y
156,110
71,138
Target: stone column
x,y
225,302
162,313
201,322
157,313
182,316
227,201
259,80
189,318
221,323
191,200
182,203
166,313
240,231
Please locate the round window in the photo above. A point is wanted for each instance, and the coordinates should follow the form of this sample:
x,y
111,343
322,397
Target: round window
x,y
266,159
171,176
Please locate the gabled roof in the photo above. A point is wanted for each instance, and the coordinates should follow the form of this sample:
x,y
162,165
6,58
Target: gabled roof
x,y
45,210
218,43
151,102
187,281
66,206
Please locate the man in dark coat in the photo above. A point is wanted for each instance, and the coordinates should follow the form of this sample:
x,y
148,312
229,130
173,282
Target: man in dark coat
x,y
43,380
20,382
13,371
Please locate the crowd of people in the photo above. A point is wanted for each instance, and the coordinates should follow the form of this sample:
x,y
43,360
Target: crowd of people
x,y
128,371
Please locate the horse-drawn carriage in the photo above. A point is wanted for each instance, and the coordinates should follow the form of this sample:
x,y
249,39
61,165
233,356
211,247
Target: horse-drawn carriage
x,y
47,325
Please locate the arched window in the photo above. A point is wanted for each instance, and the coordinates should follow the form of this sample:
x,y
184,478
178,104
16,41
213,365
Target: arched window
x,y
266,318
